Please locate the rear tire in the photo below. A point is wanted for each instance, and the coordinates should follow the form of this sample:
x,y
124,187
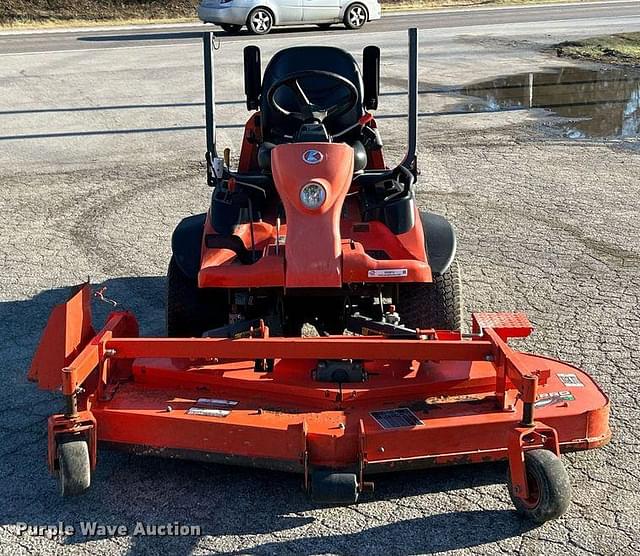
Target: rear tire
x,y
260,21
230,27
192,310
74,476
355,16
433,305
549,487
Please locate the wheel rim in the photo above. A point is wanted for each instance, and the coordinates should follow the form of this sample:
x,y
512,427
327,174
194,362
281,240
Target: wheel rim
x,y
533,499
357,16
261,21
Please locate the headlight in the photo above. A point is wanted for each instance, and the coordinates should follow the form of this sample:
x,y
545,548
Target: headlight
x,y
313,195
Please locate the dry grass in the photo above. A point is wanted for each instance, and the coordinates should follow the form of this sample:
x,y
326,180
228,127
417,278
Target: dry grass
x,y
619,49
392,5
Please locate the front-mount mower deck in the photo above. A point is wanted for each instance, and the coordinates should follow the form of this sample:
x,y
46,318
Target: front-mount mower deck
x,y
314,321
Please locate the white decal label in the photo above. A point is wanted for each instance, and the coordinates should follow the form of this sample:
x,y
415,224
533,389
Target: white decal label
x,y
553,398
205,412
569,379
388,273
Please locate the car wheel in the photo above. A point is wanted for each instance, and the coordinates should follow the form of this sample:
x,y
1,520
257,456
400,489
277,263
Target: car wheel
x,y
230,27
260,21
355,16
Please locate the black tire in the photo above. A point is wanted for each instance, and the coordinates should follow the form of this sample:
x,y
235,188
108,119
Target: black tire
x,y
192,310
433,305
549,487
230,27
74,467
260,21
328,487
355,16
324,26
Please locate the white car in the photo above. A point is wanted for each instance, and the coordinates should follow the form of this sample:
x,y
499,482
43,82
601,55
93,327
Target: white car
x,y
261,15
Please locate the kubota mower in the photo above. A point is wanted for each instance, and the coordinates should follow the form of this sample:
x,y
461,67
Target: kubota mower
x,y
314,319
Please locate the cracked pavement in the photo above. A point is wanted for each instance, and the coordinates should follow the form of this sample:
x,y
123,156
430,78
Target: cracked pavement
x,y
545,225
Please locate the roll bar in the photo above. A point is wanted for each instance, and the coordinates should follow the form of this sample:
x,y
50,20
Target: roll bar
x,y
208,40
410,160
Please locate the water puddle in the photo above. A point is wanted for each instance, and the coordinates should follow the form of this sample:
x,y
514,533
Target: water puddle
x,y
601,104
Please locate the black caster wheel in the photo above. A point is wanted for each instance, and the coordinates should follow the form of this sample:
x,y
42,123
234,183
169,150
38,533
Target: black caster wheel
x,y
74,476
329,487
549,487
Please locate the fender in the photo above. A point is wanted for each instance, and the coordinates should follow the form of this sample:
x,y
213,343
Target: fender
x,y
186,243
440,239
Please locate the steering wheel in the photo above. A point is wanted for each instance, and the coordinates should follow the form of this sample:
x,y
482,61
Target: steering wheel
x,y
307,111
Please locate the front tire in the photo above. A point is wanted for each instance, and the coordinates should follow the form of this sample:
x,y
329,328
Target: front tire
x,y
355,16
433,305
260,21
549,487
192,310
230,28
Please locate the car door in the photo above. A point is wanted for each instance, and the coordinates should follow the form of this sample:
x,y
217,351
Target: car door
x,y
290,11
320,11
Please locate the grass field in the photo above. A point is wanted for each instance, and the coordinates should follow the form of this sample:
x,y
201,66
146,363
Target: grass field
x,y
620,49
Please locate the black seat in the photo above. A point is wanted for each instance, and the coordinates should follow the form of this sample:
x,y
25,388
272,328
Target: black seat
x,y
277,128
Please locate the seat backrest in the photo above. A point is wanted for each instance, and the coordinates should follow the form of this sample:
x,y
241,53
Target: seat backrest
x,y
320,90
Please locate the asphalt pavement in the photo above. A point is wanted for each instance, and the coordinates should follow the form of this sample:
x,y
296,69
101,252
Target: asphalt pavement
x,y
101,154
115,37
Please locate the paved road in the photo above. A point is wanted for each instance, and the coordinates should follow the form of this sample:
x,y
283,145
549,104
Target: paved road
x,y
440,19
101,155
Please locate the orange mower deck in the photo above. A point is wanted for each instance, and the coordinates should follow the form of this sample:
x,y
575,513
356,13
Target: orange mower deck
x,y
439,399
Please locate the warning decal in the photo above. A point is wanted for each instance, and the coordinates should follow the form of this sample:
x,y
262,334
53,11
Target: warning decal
x,y
552,398
388,273
569,379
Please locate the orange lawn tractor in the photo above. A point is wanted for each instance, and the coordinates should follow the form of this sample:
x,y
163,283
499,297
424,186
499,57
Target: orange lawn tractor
x,y
314,319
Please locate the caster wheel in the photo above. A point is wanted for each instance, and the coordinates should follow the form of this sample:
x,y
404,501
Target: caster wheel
x,y
74,475
549,487
328,487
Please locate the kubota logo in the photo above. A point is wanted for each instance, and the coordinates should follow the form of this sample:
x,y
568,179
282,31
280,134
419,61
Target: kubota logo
x,y
312,156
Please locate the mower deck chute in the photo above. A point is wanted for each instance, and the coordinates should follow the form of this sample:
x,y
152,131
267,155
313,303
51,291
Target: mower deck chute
x,y
314,316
